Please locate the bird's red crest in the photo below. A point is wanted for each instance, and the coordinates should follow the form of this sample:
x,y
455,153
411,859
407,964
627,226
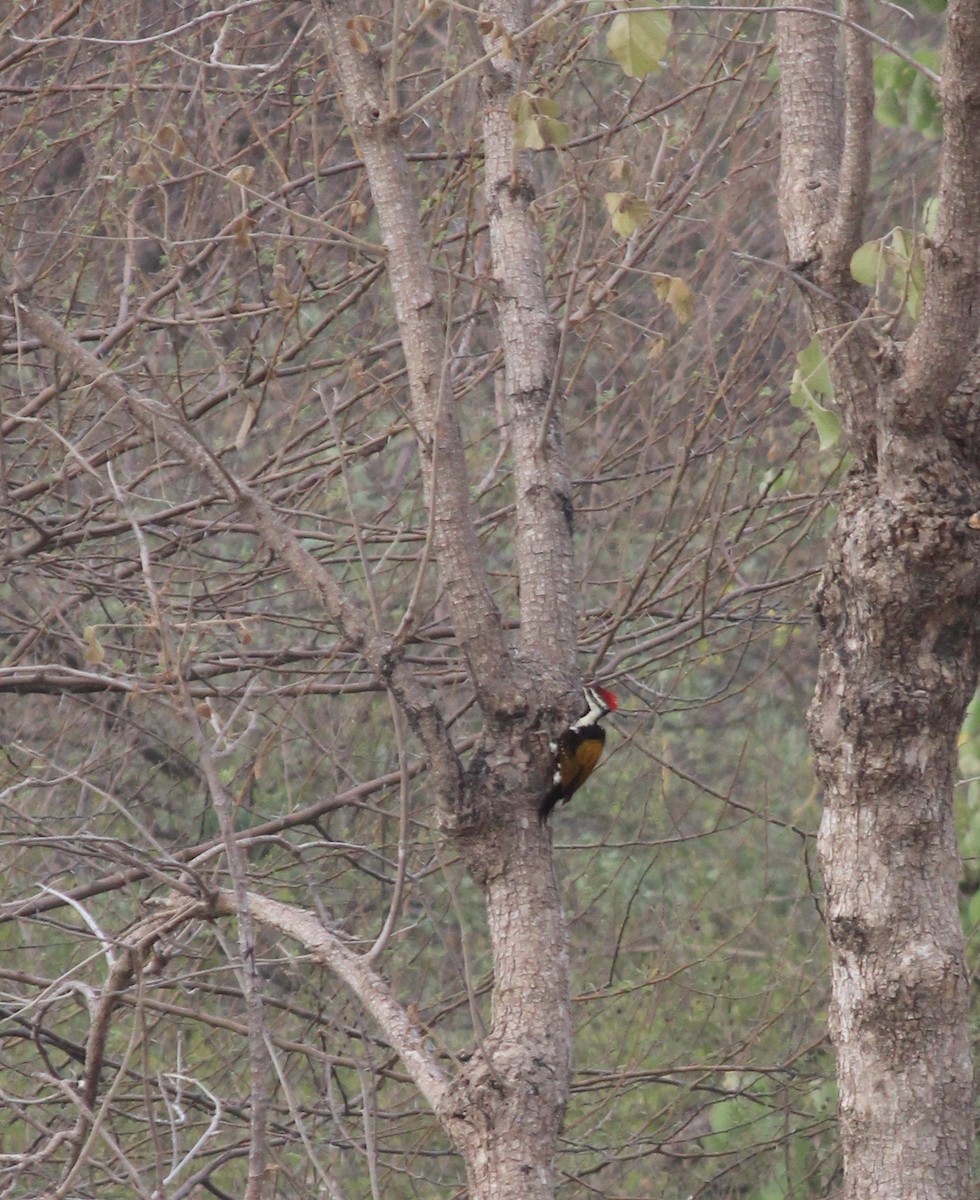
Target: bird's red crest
x,y
610,699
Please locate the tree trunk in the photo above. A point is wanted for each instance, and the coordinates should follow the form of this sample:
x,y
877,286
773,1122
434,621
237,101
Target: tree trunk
x,y
508,1105
898,613
899,655
504,1108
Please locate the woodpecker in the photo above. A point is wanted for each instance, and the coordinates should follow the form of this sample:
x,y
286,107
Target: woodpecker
x,y
578,749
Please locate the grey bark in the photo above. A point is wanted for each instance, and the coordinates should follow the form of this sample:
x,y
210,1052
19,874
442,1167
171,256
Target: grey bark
x,y
897,611
529,339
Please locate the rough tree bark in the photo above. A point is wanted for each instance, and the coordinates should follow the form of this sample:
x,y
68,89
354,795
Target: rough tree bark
x,y
897,611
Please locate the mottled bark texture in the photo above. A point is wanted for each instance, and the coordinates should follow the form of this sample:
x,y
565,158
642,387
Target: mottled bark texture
x,y
898,612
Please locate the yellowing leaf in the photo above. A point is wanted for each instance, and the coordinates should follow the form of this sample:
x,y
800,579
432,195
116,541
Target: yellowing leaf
x,y
539,132
522,107
243,174
169,138
527,135
677,294
638,41
626,212
538,126
280,288
142,172
94,651
242,231
358,27
555,133
495,37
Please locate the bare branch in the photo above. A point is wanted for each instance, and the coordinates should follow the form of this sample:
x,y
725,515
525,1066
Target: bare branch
x,y
811,108
307,815
855,165
405,1037
541,477
383,657
948,325
422,327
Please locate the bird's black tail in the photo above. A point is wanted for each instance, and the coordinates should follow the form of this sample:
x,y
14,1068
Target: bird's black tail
x,y
548,803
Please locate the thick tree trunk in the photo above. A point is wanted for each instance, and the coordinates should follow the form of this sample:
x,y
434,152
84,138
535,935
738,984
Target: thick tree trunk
x,y
504,1105
899,641
507,1107
898,611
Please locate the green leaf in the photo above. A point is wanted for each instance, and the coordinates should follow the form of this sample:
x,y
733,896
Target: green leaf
x,y
866,263
973,911
816,370
811,380
775,480
638,41
930,216
827,424
930,58
915,284
903,242
889,110
894,265
924,112
906,96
